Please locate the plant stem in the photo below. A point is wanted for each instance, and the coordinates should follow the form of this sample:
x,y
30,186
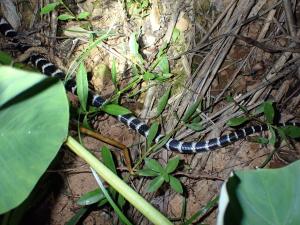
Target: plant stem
x,y
119,185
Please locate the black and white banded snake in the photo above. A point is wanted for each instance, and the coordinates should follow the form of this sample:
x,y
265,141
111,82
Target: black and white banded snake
x,y
130,120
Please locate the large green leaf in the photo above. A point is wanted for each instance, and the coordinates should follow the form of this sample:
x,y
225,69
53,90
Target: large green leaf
x,y
34,123
264,196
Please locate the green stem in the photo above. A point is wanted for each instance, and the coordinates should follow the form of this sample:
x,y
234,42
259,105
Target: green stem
x,y
119,185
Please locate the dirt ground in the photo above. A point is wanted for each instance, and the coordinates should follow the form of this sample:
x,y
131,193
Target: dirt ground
x,y
242,64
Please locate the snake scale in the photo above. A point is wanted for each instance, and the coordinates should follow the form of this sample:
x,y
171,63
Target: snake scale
x,y
130,120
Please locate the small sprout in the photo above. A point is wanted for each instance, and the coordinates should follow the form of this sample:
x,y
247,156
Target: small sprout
x,y
153,168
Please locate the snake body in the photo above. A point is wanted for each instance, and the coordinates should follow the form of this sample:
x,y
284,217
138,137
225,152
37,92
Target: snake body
x,y
130,120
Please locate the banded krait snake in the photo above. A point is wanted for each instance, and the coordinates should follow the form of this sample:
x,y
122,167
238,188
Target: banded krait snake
x,y
130,120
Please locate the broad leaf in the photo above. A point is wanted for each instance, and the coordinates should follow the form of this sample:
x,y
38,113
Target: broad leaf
x,y
263,196
34,123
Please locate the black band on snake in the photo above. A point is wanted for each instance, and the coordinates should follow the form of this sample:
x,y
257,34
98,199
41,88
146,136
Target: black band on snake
x,y
130,120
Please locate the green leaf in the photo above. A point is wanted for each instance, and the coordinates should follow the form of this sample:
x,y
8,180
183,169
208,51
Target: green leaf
x,y
65,16
264,196
108,159
82,86
114,73
155,184
147,173
166,176
259,109
91,197
5,58
172,164
194,126
34,115
115,110
237,121
134,49
291,131
85,122
152,133
117,210
272,138
121,201
148,76
153,165
196,118
163,102
79,215
163,77
49,8
175,34
269,111
164,65
83,15
190,111
133,45
176,185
